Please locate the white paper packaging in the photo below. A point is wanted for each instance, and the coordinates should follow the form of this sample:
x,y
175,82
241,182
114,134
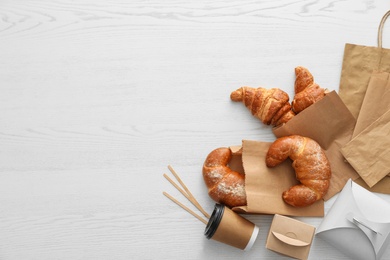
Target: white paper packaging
x,y
358,224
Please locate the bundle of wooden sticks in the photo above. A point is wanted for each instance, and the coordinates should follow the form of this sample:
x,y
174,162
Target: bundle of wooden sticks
x,y
186,193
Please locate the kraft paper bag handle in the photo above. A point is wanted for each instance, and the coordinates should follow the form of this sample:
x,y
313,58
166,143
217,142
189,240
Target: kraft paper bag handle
x,y
380,34
380,29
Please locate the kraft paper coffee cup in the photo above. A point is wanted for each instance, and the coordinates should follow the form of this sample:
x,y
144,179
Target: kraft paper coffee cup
x,y
228,227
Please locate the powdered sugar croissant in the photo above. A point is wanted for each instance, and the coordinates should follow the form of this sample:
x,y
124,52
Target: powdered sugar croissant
x,y
311,166
225,185
271,106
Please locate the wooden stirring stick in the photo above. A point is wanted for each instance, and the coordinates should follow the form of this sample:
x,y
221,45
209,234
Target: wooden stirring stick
x,y
184,207
190,197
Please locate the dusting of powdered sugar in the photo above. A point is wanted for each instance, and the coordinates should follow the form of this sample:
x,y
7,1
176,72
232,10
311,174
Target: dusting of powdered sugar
x,y
235,190
215,174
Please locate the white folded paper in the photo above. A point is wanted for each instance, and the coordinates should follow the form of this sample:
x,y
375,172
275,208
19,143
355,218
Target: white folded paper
x,y
358,224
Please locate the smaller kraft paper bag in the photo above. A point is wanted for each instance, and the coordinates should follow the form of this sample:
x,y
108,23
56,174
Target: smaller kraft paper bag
x,y
367,151
330,124
359,62
264,186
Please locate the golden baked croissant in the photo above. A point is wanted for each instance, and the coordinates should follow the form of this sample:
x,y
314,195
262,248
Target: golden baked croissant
x,y
303,79
271,106
311,166
225,185
307,92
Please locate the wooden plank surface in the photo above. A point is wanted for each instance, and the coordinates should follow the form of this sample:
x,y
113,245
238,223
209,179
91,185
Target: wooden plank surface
x,y
98,97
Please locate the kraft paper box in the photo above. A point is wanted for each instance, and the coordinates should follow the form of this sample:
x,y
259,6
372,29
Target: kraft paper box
x,y
358,223
264,186
290,237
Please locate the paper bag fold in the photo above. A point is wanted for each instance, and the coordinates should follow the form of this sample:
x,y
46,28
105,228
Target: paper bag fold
x,y
376,101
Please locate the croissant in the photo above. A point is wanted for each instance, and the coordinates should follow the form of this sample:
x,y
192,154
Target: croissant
x,y
311,166
307,92
303,79
224,185
271,106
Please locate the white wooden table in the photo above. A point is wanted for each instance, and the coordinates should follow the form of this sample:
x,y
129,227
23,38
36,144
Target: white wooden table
x,y
98,97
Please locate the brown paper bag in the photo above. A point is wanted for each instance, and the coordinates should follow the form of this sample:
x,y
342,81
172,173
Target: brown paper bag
x,y
375,103
358,64
330,123
369,151
264,186
380,187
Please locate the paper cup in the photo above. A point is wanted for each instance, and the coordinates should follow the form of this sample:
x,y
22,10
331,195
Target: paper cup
x,y
228,227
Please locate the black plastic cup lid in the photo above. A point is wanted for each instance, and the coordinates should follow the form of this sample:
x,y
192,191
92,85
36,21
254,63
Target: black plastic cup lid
x,y
214,221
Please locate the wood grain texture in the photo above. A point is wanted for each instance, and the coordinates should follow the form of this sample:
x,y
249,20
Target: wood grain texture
x,y
98,97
